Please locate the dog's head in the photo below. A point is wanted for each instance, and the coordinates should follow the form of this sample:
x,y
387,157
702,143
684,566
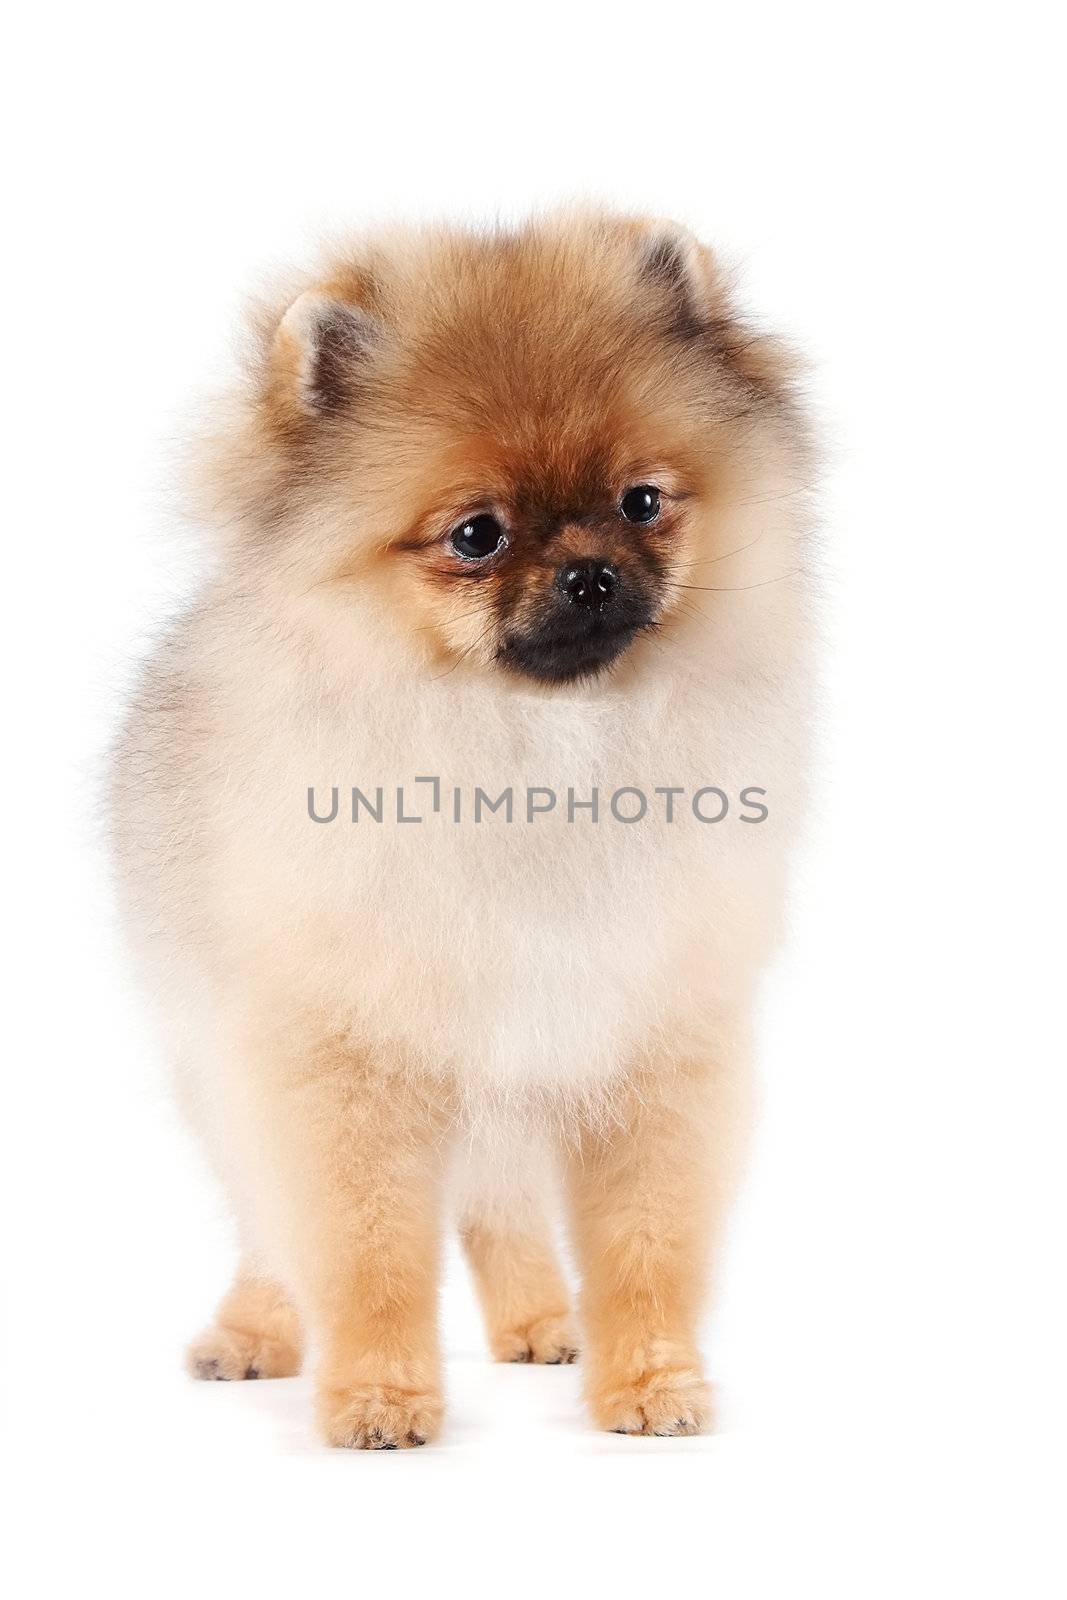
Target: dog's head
x,y
521,442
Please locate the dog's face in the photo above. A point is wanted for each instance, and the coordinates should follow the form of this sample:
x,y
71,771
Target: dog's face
x,y
521,442
552,569
578,590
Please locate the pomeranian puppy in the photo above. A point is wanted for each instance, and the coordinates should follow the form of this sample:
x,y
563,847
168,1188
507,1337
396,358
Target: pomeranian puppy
x,y
452,817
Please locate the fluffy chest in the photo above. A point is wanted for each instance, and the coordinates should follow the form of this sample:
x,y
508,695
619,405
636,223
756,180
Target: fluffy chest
x,y
523,949
514,893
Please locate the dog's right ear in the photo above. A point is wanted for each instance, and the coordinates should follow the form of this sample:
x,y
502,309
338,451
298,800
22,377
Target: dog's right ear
x,y
320,353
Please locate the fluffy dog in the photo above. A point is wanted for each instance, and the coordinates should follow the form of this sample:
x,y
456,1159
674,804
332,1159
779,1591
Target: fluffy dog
x,y
500,514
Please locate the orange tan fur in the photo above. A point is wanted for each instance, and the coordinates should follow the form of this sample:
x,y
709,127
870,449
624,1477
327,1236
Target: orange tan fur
x,y
523,1295
377,1027
256,1334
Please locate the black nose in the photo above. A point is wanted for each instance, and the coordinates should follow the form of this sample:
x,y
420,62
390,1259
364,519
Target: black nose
x,y
588,583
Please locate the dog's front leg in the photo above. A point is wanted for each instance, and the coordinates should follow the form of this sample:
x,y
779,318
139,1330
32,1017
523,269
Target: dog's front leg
x,y
649,1190
349,1159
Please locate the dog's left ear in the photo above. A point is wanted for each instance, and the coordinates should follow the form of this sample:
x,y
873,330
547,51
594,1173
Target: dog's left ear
x,y
696,305
684,275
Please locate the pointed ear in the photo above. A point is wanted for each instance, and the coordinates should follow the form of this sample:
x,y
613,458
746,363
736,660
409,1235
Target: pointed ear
x,y
686,276
320,352
697,305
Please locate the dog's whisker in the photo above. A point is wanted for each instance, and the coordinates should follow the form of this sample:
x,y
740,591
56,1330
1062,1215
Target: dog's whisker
x,y
459,616
465,653
740,588
709,561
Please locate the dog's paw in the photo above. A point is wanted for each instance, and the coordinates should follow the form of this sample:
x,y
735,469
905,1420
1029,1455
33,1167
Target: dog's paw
x,y
379,1417
550,1341
228,1355
663,1402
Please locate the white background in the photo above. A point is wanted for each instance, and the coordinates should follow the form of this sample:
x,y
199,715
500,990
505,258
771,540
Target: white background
x,y
889,1349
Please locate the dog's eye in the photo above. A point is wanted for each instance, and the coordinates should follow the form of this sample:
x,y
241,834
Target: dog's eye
x,y
478,537
641,503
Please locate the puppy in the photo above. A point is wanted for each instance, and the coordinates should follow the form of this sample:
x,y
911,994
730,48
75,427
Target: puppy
x,y
452,817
